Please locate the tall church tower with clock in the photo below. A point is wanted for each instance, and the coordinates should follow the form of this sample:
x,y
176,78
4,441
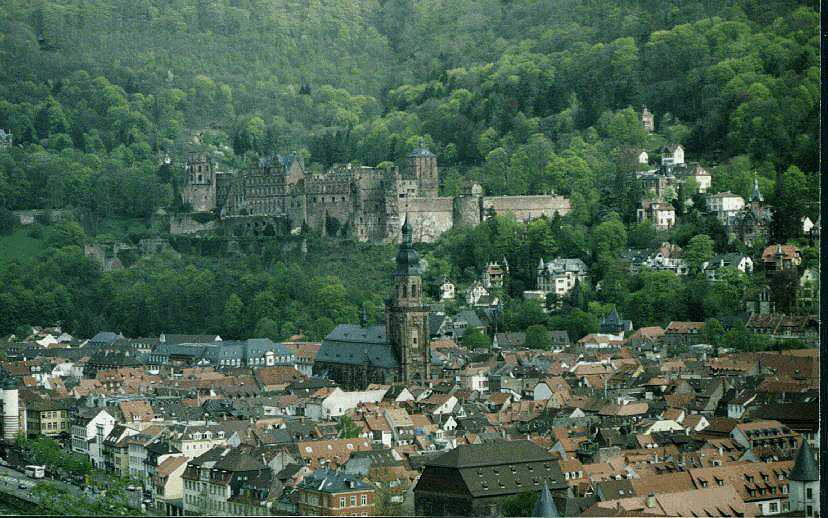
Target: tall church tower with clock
x,y
407,317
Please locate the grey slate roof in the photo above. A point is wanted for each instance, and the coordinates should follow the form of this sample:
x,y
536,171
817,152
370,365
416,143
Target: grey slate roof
x,y
355,345
545,506
805,468
330,481
473,455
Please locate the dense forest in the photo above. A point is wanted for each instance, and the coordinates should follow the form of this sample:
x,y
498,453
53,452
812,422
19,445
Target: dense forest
x,y
521,96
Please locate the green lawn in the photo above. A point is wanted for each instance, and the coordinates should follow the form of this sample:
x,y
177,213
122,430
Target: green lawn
x,y
19,245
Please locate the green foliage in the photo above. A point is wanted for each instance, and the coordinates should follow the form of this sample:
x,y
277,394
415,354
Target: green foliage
x,y
521,504
347,429
475,339
538,337
522,97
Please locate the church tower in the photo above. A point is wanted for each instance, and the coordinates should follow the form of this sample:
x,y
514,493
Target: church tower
x,y
406,315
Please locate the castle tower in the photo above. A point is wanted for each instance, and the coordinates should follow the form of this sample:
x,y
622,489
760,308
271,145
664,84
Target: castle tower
x,y
421,164
804,482
200,190
406,315
9,407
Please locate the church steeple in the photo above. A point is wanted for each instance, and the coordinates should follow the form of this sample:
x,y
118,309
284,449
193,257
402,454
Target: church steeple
x,y
406,315
756,196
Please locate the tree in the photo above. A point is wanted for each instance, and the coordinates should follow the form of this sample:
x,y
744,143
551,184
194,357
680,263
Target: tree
x,y
521,504
66,233
698,250
7,221
474,338
538,337
347,428
233,319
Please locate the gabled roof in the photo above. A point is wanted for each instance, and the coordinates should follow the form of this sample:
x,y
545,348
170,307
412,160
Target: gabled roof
x,y
356,345
466,456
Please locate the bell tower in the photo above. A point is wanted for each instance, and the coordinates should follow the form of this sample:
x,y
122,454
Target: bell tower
x,y
406,315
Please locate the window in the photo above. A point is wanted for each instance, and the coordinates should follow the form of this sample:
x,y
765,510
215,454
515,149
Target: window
x,y
774,507
809,493
363,500
341,501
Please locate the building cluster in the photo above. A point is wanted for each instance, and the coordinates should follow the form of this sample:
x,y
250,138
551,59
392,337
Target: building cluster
x,y
276,196
402,418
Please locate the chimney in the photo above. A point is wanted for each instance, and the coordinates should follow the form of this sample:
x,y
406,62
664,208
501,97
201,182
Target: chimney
x,y
651,502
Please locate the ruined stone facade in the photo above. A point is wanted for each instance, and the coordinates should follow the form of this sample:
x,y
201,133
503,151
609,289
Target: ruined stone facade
x,y
277,196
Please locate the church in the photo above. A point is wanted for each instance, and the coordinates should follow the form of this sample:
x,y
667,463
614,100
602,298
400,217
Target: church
x,y
357,355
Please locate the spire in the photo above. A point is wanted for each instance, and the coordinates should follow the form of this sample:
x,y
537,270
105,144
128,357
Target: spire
x,y
406,231
540,264
756,196
545,506
805,468
408,261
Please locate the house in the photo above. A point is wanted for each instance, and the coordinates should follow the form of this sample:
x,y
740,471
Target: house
x,y
661,215
338,402
684,333
767,433
512,340
672,155
763,484
327,492
476,293
560,275
47,417
613,324
331,452
89,431
277,377
168,484
725,206
494,273
213,478
740,262
447,290
779,257
702,177
778,325
648,120
116,450
475,479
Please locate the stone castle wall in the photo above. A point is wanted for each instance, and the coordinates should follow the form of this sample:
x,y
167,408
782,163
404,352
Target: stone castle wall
x,y
430,217
524,208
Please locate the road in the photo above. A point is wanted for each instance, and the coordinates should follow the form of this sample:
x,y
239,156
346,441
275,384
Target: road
x,y
11,478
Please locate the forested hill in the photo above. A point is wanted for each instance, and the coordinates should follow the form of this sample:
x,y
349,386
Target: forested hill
x,y
491,84
522,96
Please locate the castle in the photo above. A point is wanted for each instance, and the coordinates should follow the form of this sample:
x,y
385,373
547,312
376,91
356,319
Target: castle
x,y
276,196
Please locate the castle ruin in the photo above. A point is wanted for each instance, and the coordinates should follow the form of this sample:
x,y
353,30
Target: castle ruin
x,y
276,196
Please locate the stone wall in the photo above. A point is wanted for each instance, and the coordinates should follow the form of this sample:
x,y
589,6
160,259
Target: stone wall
x,y
185,224
430,217
527,207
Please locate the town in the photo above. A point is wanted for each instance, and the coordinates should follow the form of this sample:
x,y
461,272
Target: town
x,y
413,418
410,258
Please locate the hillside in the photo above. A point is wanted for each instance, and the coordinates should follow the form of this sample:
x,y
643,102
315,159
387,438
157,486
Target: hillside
x,y
521,96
